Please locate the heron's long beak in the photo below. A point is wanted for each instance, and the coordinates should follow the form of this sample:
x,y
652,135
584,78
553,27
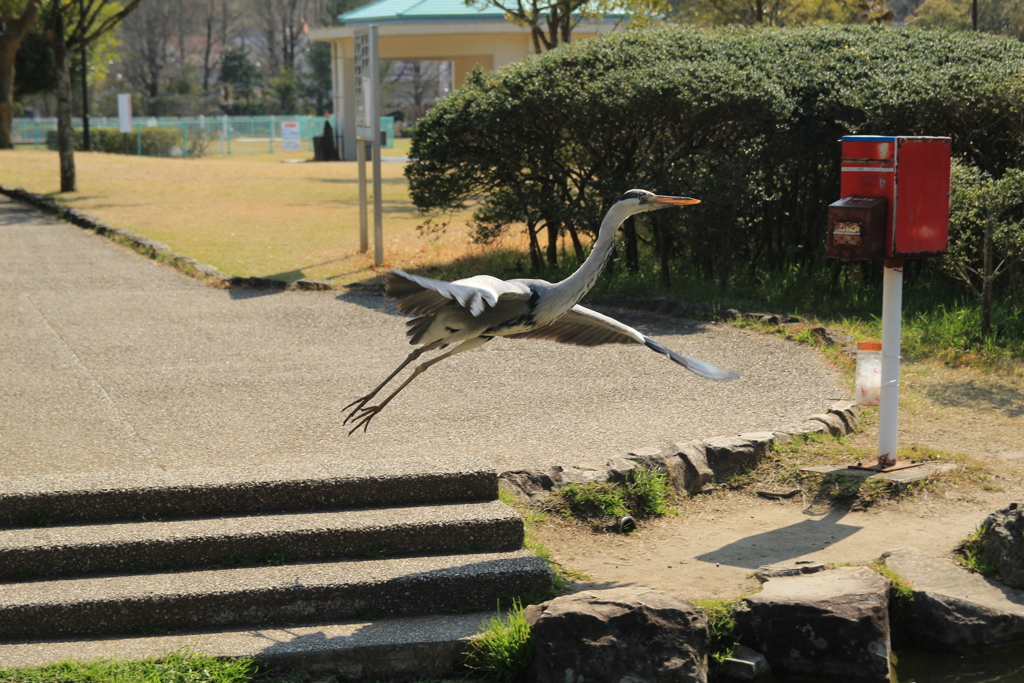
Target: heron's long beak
x,y
672,201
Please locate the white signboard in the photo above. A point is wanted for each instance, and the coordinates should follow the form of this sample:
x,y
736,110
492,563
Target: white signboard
x,y
366,66
124,112
291,138
367,103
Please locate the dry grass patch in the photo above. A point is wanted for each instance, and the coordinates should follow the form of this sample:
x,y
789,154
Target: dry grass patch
x,y
248,215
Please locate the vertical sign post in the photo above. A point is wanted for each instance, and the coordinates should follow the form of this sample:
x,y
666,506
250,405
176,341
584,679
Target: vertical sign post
x,y
368,130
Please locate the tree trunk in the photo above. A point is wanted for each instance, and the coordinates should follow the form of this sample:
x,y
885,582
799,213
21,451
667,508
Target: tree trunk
x,y
630,244
661,244
536,259
208,48
577,246
8,48
724,259
566,24
15,30
552,245
86,142
986,279
65,127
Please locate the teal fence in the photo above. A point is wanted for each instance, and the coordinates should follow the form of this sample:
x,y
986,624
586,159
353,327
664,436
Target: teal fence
x,y
194,136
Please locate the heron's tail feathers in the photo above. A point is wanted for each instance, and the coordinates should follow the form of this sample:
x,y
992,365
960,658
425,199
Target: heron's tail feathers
x,y
418,327
397,286
705,370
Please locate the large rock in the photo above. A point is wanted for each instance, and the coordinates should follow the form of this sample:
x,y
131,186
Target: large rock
x,y
848,412
832,625
787,432
744,665
953,608
833,422
729,455
767,572
620,635
685,464
529,487
1003,539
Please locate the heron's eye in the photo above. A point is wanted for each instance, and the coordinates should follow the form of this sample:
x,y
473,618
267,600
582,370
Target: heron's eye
x,y
635,194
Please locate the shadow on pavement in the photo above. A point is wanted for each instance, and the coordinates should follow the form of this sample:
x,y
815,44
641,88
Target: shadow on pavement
x,y
785,543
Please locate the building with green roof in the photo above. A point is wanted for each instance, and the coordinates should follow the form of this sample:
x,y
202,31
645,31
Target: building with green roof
x,y
435,30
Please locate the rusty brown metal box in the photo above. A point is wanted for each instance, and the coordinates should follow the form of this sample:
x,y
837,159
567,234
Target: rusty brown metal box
x,y
856,228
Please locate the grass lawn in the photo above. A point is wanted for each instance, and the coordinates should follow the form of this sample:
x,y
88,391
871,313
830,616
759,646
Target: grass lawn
x,y
248,215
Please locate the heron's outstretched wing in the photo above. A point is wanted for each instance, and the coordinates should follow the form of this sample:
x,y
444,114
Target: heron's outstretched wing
x,y
584,327
425,296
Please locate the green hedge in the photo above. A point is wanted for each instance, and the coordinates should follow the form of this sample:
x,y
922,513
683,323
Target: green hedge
x,y
748,120
156,142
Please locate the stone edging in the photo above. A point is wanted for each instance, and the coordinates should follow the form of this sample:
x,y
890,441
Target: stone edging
x,y
158,251
691,466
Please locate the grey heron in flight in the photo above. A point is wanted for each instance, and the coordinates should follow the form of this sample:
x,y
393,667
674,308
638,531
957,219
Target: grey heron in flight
x,y
473,311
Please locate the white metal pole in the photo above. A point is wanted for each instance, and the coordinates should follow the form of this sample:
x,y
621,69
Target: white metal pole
x,y
892,307
374,107
378,205
364,239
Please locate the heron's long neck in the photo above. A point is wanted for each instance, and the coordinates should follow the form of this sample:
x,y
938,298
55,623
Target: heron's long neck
x,y
574,287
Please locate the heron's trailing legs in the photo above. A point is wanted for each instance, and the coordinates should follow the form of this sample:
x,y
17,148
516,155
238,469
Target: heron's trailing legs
x,y
360,402
366,413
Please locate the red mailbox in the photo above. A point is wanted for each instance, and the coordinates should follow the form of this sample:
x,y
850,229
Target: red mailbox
x,y
910,175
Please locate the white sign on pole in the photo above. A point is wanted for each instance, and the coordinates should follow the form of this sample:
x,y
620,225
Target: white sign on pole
x,y
291,137
367,73
124,112
366,81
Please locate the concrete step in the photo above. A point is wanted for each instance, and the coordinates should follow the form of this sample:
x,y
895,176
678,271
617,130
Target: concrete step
x,y
137,496
259,597
261,539
409,648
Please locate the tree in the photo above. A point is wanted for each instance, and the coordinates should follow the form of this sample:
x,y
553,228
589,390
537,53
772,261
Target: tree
x,y
218,16
16,19
239,71
999,17
551,22
34,70
782,12
986,238
420,86
285,90
316,84
146,39
282,24
73,24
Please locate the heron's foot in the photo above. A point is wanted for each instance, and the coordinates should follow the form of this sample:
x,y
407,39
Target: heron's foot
x,y
366,414
358,405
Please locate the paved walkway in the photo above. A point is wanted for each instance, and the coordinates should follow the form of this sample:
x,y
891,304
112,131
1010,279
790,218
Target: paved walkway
x,y
112,361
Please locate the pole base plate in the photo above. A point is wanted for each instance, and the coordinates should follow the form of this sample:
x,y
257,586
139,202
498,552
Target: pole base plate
x,y
879,467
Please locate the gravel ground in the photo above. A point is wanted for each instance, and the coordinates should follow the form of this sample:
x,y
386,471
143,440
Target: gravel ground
x,y
112,361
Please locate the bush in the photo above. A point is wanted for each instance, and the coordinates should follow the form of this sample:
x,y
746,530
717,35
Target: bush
x,y
156,142
986,233
748,120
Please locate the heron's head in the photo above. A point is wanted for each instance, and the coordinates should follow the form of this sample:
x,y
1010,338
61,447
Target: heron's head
x,y
642,200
